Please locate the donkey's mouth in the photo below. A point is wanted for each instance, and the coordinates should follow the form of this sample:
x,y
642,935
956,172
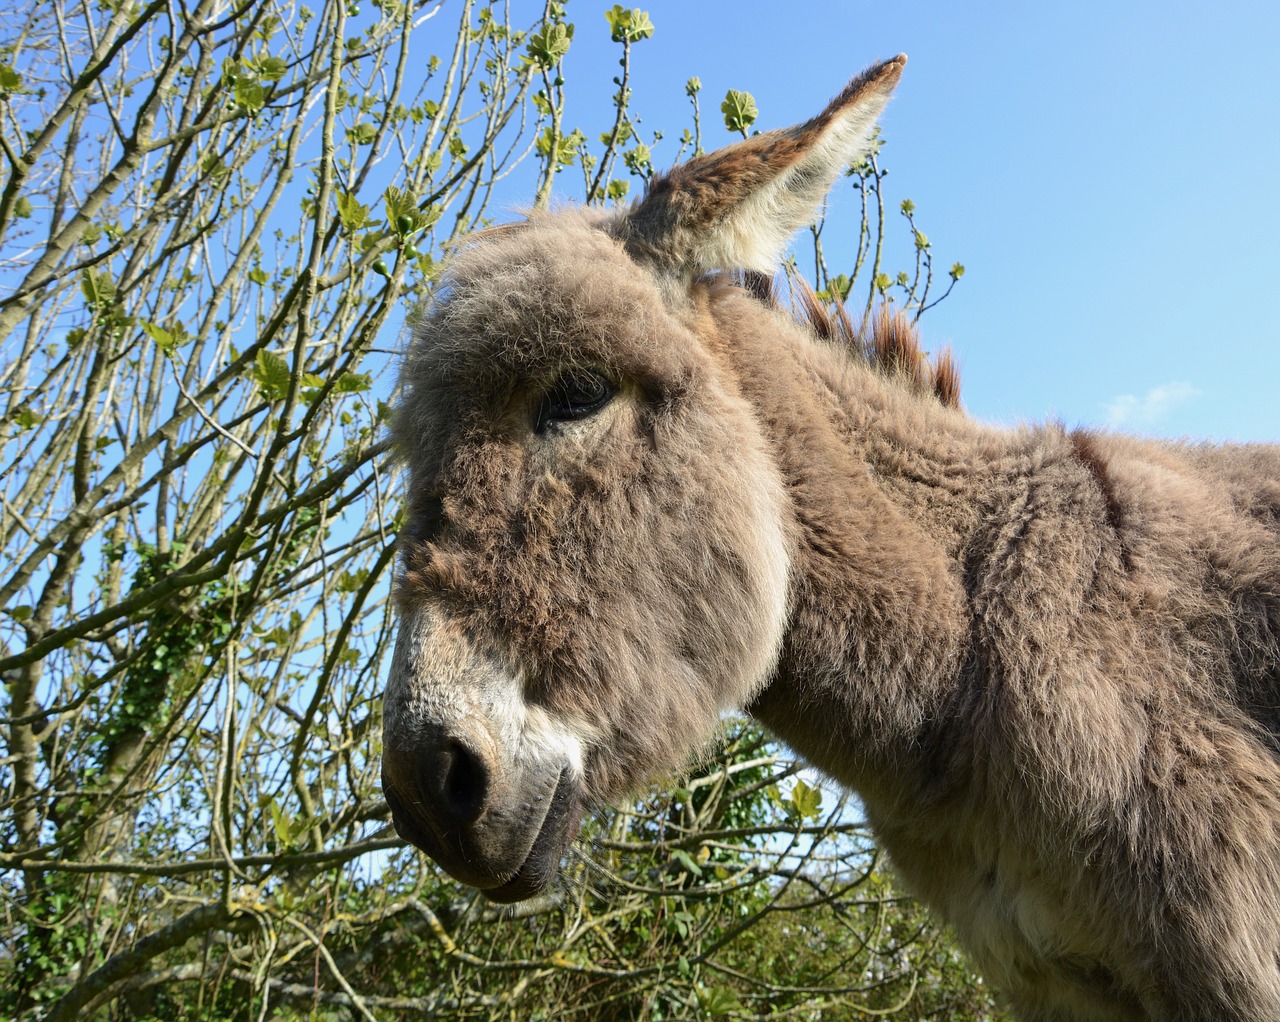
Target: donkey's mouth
x,y
559,828
471,853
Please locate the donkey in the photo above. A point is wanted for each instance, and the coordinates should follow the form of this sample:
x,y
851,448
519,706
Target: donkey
x,y
1048,661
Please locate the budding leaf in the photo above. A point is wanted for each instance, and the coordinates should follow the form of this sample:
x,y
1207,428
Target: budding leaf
x,y
271,372
548,47
628,25
739,109
352,212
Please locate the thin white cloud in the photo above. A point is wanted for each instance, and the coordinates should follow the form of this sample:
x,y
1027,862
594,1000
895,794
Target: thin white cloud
x,y
1152,407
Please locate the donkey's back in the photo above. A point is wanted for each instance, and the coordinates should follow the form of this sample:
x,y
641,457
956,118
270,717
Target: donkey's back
x,y
1113,850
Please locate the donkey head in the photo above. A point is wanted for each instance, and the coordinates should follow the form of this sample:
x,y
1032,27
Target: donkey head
x,y
594,564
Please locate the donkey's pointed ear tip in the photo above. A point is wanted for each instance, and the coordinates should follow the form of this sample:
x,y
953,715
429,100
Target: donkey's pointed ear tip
x,y
882,77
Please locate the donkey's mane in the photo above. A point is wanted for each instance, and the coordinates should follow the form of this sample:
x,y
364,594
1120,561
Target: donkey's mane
x,y
887,339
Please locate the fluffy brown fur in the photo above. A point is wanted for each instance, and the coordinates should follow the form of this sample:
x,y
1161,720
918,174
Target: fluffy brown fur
x,y
1048,662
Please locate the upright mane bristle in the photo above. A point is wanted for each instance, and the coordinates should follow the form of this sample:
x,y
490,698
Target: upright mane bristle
x,y
888,339
946,378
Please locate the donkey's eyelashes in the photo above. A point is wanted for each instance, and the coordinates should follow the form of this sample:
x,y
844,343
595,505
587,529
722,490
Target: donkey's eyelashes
x,y
575,395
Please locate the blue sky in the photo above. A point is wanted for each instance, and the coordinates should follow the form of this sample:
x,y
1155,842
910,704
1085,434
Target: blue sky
x,y
1107,173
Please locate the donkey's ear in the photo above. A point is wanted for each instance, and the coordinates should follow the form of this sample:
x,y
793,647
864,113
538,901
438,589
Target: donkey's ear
x,y
735,208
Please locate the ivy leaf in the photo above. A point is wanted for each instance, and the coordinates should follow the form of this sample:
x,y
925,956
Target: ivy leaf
x,y
718,1001
739,109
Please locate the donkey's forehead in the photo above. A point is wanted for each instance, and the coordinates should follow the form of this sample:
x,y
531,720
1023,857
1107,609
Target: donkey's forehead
x,y
557,289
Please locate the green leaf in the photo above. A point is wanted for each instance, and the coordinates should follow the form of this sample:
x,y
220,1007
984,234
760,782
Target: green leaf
x,y
10,80
403,212
26,419
693,86
249,95
639,159
98,287
352,212
351,581
282,823
687,861
272,375
566,149
739,109
957,271
548,47
362,134
258,275
271,69
164,339
806,801
351,383
21,613
717,1001
628,25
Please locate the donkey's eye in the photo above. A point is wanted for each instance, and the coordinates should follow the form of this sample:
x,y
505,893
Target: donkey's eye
x,y
574,396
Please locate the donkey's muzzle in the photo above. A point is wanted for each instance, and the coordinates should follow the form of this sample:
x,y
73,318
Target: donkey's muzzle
x,y
446,798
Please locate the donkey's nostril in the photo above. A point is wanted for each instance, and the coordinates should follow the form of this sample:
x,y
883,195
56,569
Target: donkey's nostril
x,y
462,781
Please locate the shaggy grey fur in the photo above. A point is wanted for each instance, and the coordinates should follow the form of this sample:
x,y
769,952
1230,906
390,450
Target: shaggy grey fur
x,y
1048,661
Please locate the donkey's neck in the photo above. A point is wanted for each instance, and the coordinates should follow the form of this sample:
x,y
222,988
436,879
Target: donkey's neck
x,y
885,508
